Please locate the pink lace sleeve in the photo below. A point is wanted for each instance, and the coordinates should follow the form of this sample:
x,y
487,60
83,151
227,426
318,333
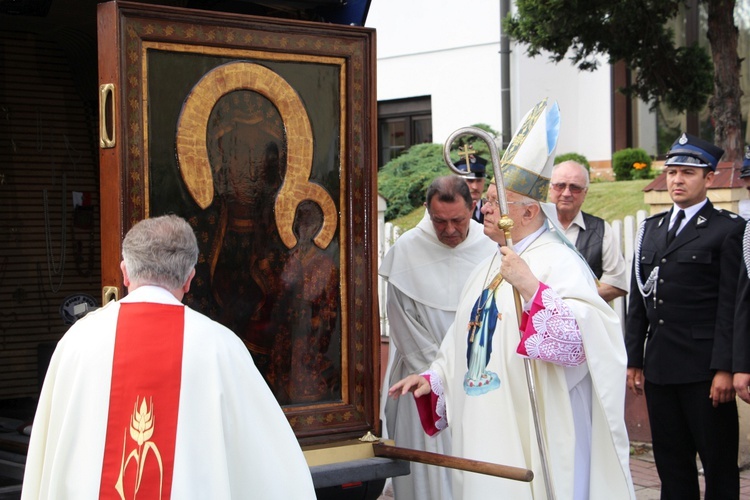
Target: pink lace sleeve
x,y
431,407
550,331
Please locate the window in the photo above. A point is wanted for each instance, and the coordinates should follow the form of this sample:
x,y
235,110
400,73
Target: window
x,y
401,124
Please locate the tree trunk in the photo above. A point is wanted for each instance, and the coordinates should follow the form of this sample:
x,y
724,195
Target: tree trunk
x,y
726,112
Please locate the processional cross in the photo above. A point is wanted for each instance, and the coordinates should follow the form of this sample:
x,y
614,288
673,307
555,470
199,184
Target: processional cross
x,y
466,152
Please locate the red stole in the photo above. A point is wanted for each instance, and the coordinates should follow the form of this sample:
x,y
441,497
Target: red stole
x,y
143,402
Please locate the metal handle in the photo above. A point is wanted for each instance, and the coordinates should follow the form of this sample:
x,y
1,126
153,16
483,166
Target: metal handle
x,y
505,223
107,119
110,293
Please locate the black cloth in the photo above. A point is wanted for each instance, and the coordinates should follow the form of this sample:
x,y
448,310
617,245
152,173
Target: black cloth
x,y
687,330
590,242
477,215
741,359
683,421
675,226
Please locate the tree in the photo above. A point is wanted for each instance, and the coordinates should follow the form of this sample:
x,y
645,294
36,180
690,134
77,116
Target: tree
x,y
635,32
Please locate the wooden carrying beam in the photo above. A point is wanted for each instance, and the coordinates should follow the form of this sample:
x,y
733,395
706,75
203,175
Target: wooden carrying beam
x,y
426,457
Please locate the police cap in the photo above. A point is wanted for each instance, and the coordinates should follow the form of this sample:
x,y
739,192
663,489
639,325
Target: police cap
x,y
691,151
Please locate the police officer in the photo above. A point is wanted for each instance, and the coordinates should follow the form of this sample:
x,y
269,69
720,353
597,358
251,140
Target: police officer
x,y
744,205
741,359
745,170
681,306
475,178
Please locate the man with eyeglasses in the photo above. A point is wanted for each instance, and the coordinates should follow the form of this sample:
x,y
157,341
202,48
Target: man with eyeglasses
x,y
542,289
681,308
426,269
591,235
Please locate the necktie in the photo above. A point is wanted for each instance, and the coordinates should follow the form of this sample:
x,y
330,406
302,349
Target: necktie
x,y
673,231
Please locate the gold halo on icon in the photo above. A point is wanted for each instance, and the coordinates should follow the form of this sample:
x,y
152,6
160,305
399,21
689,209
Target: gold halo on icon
x,y
192,152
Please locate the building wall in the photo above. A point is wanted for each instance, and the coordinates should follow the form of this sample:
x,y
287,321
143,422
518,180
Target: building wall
x,y
584,99
445,50
449,50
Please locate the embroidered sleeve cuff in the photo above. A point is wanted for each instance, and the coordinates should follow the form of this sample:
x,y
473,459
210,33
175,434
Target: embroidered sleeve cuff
x,y
431,407
550,331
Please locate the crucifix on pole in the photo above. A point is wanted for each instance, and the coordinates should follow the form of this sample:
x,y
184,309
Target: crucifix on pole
x,y
466,152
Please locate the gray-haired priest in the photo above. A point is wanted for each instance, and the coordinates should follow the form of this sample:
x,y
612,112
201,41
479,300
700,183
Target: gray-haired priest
x,y
477,385
147,398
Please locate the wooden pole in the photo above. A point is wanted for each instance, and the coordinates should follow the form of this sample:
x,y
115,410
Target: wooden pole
x,y
426,457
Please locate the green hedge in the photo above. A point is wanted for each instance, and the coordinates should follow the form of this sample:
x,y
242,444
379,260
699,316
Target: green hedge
x,y
404,180
631,163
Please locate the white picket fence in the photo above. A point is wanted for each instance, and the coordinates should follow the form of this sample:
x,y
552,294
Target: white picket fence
x,y
625,230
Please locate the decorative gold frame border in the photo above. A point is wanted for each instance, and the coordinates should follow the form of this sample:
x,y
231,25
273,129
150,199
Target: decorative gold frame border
x,y
247,37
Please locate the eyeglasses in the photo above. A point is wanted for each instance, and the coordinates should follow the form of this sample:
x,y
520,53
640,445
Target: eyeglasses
x,y
561,186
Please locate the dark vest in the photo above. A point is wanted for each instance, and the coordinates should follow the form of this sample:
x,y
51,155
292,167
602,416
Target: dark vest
x,y
589,242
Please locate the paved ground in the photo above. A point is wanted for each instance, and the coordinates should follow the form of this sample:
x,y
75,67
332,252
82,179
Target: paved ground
x,y
645,478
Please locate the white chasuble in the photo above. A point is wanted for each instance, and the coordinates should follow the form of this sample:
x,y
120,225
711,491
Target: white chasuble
x,y
497,425
231,439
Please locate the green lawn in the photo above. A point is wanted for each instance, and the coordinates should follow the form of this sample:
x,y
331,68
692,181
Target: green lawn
x,y
608,200
614,200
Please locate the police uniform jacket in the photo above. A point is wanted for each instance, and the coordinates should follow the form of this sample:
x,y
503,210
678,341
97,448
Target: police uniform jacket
x,y
686,324
741,352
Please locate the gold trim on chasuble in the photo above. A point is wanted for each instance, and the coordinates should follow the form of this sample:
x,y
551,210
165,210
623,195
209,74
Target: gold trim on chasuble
x,y
141,430
524,182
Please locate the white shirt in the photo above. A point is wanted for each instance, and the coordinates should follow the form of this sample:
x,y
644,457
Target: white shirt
x,y
614,271
689,214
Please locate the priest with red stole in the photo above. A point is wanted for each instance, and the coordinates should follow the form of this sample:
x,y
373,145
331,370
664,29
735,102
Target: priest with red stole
x,y
146,398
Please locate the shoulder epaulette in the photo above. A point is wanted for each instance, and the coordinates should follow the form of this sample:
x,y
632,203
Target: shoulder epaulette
x,y
727,213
